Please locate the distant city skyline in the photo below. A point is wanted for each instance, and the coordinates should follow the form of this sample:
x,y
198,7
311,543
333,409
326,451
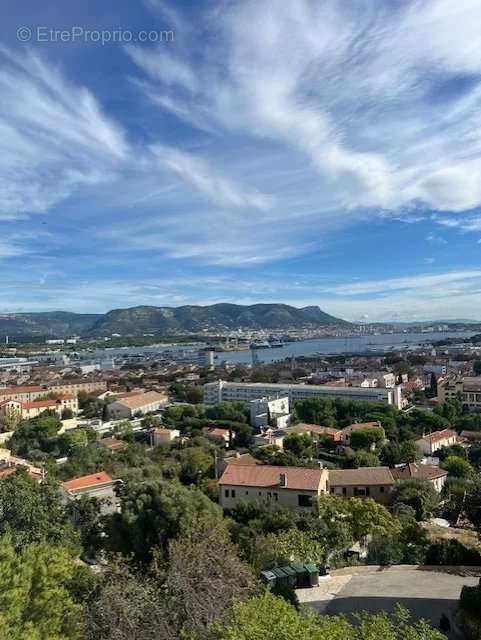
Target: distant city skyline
x,y
327,154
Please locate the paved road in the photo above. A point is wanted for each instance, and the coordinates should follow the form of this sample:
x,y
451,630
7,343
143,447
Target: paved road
x,y
426,594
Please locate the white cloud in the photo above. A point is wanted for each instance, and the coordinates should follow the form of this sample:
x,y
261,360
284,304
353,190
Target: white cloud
x,y
352,86
54,137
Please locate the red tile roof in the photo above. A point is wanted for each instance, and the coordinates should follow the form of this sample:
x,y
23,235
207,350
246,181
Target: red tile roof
x,y
436,436
413,470
268,476
363,476
14,390
84,482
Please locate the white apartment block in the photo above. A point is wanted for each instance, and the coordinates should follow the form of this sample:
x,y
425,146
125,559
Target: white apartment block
x,y
264,411
215,392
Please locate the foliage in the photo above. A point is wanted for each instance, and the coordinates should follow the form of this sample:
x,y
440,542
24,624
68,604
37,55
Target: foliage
x,y
299,444
452,552
33,512
233,411
400,453
269,618
367,438
285,547
417,493
457,467
361,459
154,512
35,602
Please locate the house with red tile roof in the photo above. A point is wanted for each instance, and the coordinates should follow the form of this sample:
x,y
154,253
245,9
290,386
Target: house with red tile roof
x,y
365,482
95,485
286,486
435,475
432,442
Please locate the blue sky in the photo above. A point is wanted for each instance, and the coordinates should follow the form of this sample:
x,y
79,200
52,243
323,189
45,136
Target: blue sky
x,y
260,151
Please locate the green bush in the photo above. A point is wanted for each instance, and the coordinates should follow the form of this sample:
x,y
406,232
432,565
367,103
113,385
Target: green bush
x,y
452,552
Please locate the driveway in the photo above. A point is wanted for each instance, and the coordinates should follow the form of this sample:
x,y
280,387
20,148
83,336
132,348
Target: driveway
x,y
426,594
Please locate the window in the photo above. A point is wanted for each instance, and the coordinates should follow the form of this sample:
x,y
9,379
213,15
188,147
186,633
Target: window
x,y
304,500
233,493
269,495
381,489
247,493
226,493
276,497
344,491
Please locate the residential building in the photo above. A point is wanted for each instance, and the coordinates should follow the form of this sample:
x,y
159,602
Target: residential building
x,y
466,389
164,436
10,464
365,482
217,432
286,486
22,394
75,386
269,435
215,392
96,485
432,442
112,444
134,405
27,410
316,431
409,471
272,411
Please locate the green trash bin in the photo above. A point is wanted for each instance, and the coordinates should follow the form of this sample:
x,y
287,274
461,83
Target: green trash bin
x,y
291,576
301,575
282,579
312,574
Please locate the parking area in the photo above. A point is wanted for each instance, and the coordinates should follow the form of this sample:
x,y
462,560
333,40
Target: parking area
x,y
427,594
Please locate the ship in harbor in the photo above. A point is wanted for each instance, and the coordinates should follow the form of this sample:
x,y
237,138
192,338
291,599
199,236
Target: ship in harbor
x,y
266,344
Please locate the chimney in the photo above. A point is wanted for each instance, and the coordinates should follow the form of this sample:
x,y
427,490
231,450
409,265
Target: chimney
x,y
283,479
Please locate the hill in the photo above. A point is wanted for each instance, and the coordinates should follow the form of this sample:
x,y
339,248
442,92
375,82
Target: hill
x,y
218,317
163,320
49,323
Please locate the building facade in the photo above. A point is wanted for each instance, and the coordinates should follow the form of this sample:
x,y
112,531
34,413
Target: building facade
x,y
466,389
215,392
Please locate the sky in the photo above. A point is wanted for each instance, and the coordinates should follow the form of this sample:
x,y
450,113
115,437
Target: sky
x,y
310,152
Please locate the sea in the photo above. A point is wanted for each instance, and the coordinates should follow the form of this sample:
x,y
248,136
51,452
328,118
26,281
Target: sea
x,y
370,344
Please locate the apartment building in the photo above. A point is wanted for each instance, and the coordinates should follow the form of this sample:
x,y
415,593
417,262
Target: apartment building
x,y
269,411
16,410
137,404
22,394
215,392
467,389
75,386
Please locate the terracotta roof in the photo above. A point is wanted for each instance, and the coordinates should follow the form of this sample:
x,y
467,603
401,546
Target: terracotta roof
x,y
14,390
413,470
436,436
48,402
217,432
141,399
242,459
268,476
304,427
361,476
362,425
84,482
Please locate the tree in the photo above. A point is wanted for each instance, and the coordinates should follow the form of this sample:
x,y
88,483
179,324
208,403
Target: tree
x,y
362,459
433,386
33,512
417,493
128,605
35,598
272,618
400,452
205,576
154,512
370,437
194,394
285,547
299,444
458,467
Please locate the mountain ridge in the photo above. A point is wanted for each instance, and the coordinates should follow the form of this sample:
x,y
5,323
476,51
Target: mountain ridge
x,y
141,319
